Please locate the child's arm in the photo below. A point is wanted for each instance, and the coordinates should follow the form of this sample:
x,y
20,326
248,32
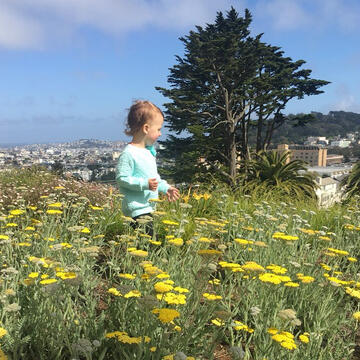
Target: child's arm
x,y
124,171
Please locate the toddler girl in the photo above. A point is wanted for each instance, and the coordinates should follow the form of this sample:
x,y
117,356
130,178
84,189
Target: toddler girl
x,y
136,172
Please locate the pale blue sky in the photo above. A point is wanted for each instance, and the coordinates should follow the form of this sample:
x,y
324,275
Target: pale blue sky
x,y
69,69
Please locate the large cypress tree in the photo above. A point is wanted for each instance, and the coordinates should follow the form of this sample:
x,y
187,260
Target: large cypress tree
x,y
226,83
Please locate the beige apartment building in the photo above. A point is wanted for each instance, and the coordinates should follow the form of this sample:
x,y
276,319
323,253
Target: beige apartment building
x,y
311,154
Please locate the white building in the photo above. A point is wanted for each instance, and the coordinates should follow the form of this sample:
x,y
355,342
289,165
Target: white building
x,y
328,191
343,143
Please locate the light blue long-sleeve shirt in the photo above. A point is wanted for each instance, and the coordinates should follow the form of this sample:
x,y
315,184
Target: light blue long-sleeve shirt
x,y
134,169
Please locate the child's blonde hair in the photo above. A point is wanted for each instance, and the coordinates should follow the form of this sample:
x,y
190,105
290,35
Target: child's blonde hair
x,y
139,113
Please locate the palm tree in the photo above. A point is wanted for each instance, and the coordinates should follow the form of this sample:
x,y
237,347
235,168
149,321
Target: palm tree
x,y
351,183
271,171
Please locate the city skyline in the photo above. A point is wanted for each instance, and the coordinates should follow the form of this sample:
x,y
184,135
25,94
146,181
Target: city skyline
x,y
71,69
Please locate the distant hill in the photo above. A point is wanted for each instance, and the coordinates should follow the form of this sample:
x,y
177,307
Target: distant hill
x,y
330,125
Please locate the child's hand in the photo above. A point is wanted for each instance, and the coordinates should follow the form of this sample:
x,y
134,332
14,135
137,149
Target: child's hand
x,y
173,194
153,184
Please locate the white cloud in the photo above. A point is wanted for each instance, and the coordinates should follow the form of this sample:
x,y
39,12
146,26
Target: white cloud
x,y
33,23
310,14
346,101
283,14
17,31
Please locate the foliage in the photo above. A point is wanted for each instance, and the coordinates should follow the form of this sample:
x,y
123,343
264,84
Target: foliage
x,y
227,83
335,123
351,183
263,279
272,171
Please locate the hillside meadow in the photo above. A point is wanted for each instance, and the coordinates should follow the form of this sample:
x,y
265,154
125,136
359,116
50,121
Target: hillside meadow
x,y
226,276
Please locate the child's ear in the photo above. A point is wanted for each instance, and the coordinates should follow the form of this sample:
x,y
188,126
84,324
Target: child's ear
x,y
146,128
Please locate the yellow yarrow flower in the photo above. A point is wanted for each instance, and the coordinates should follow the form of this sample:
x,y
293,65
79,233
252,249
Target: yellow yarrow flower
x,y
48,281
132,293
162,287
139,253
17,212
166,315
356,315
176,241
212,297
171,298
127,276
114,291
3,332
54,212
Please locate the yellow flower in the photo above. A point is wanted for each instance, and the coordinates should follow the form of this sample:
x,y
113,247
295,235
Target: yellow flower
x,y
127,276
171,298
276,269
212,297
304,338
209,252
11,225
168,357
356,315
338,252
243,241
3,332
97,208
3,356
283,236
252,266
53,212
29,228
180,290
170,222
166,315
291,284
132,293
305,279
4,237
238,325
177,241
66,275
352,259
17,212
48,281
85,230
114,292
33,275
271,278
139,253
56,205
162,287
218,322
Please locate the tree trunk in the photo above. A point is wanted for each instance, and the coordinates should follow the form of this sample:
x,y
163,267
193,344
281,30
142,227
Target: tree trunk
x,y
259,130
233,154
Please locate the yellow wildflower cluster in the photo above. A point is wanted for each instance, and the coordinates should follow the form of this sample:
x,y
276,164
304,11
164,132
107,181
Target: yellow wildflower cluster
x,y
338,252
122,336
212,297
284,338
166,315
283,236
304,278
273,278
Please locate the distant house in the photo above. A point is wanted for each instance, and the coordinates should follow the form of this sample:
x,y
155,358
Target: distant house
x,y
334,159
328,191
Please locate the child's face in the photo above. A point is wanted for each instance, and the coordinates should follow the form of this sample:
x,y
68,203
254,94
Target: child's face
x,y
152,128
